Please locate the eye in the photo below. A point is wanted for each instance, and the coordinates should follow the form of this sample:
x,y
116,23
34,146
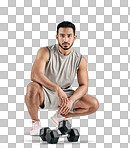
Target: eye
x,y
69,35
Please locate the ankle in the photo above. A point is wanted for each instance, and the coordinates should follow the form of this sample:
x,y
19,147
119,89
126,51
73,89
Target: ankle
x,y
33,120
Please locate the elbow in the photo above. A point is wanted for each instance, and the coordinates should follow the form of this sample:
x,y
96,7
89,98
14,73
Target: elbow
x,y
33,76
86,88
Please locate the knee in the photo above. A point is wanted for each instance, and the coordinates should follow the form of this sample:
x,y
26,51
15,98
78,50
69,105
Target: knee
x,y
96,104
32,89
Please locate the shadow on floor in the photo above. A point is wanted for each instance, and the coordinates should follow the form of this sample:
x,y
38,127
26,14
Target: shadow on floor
x,y
61,140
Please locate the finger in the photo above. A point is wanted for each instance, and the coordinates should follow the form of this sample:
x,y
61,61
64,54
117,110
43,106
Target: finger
x,y
61,102
58,111
61,110
67,111
62,105
65,101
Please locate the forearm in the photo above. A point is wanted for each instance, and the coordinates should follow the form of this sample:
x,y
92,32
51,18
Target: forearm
x,y
43,80
79,92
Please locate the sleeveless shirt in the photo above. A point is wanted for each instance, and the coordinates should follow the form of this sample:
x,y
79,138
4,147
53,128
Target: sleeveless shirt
x,y
62,69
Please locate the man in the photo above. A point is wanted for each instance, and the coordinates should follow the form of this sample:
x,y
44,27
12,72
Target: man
x,y
53,73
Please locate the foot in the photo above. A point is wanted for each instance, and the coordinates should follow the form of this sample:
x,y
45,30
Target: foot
x,y
56,118
36,126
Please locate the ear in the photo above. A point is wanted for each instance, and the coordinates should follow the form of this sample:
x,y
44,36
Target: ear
x,y
56,36
75,37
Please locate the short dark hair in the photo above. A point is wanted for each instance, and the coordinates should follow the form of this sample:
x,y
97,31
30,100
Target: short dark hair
x,y
66,24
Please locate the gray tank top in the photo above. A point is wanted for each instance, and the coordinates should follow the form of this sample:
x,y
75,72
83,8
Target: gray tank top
x,y
61,69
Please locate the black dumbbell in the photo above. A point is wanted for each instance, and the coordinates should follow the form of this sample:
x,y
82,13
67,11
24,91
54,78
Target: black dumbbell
x,y
64,126
52,136
73,135
64,129
43,132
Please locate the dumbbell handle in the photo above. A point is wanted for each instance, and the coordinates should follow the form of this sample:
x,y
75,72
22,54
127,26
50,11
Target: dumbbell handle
x,y
61,135
64,135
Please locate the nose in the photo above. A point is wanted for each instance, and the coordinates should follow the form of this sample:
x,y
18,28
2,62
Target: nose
x,y
65,39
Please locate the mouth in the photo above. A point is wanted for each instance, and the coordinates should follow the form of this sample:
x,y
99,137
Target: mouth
x,y
65,44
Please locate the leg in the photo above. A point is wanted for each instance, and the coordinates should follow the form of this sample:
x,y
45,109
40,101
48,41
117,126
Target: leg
x,y
33,99
87,105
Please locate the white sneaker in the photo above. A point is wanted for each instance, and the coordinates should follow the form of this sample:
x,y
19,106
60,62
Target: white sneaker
x,y
36,126
56,118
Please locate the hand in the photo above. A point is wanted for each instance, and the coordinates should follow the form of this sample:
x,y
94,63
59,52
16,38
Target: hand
x,y
61,96
66,108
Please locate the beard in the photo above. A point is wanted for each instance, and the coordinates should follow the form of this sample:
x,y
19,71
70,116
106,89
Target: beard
x,y
65,47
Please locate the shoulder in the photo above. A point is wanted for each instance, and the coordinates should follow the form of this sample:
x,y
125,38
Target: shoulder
x,y
83,63
43,53
43,50
46,49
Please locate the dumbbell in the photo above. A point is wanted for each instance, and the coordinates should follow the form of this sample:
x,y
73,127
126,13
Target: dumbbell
x,y
64,129
43,132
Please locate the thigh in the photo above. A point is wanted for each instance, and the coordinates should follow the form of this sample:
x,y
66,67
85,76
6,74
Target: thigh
x,y
51,100
86,102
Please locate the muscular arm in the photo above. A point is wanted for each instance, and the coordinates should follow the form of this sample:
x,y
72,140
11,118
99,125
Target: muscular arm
x,y
82,76
37,73
43,80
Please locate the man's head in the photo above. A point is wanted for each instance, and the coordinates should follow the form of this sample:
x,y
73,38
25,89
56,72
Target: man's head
x,y
66,34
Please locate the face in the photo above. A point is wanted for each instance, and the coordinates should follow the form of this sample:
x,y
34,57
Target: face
x,y
65,38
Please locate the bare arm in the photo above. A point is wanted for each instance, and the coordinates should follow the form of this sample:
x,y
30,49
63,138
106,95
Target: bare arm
x,y
37,73
82,76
